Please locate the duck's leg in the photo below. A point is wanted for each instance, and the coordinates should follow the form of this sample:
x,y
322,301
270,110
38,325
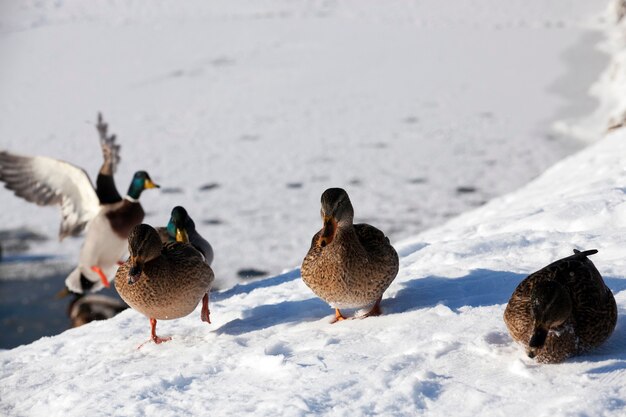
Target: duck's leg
x,y
156,339
204,314
338,316
375,311
103,277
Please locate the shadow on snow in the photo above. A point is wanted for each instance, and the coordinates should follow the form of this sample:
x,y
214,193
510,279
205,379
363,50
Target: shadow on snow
x,y
251,286
265,316
481,287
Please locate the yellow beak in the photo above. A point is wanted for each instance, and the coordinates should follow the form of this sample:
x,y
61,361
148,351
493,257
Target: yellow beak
x,y
149,184
182,236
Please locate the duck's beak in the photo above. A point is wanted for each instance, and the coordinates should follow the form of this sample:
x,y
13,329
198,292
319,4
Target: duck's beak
x,y
329,230
538,339
182,236
62,293
134,273
149,184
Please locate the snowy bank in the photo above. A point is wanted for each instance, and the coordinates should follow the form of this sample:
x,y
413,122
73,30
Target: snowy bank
x,y
610,89
441,348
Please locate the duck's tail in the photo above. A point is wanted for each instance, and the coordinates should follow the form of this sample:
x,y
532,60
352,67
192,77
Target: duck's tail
x,y
586,252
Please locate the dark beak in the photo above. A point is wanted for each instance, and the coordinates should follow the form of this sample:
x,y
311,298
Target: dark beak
x,y
134,274
538,338
329,230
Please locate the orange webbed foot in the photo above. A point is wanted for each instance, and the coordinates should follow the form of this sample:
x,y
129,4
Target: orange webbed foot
x,y
338,317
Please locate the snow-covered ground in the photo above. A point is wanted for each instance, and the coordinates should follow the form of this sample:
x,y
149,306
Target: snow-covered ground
x,y
440,349
420,109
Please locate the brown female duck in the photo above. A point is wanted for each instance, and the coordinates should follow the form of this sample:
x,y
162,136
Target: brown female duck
x,y
562,310
163,281
348,265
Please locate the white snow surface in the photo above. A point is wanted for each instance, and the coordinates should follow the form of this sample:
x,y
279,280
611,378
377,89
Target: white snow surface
x,y
399,102
440,349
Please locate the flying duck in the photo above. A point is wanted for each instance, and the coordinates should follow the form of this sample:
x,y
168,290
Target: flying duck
x,y
106,216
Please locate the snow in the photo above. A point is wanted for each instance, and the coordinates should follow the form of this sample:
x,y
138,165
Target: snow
x,y
440,349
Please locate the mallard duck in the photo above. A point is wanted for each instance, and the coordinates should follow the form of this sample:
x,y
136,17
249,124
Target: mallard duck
x,y
106,216
348,265
163,281
562,310
181,228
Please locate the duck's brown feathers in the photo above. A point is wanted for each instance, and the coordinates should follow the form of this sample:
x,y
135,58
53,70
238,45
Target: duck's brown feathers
x,y
170,286
354,270
594,309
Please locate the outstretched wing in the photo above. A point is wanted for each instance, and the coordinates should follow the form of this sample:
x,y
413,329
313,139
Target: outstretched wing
x,y
47,181
110,148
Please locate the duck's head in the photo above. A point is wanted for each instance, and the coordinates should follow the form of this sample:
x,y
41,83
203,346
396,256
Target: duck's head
x,y
144,245
336,211
141,181
179,225
550,307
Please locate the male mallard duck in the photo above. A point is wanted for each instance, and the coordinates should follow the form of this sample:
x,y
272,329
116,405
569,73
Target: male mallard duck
x,y
348,265
107,216
163,281
562,310
181,228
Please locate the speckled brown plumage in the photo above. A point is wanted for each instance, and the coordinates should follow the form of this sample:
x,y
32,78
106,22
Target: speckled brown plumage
x,y
355,268
171,283
593,310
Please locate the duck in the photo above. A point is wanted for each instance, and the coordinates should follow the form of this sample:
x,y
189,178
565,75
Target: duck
x,y
348,265
562,310
163,281
181,228
101,212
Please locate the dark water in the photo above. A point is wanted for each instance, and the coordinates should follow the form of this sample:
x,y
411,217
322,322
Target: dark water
x,y
29,308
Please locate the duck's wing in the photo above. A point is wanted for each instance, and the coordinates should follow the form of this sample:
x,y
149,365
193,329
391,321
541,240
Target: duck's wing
x,y
110,148
371,236
46,181
182,252
105,184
